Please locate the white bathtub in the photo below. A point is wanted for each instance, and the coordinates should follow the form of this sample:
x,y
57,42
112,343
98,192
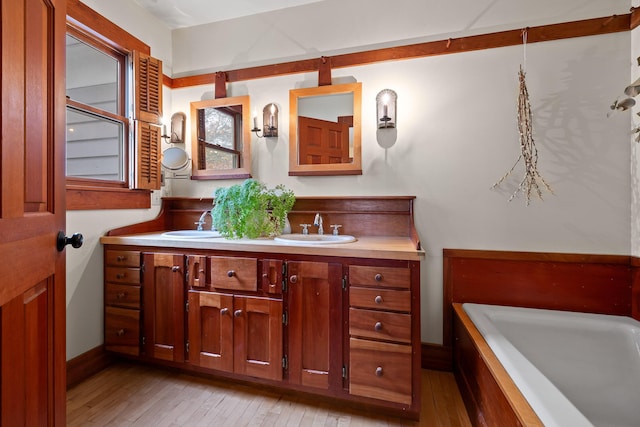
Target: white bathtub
x,y
574,369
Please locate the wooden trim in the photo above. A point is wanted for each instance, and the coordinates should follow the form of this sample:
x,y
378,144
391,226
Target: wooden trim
x,y
635,18
88,20
87,364
437,357
635,287
94,198
583,28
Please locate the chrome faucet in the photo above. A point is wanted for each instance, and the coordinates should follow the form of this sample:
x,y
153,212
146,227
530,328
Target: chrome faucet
x,y
201,221
318,223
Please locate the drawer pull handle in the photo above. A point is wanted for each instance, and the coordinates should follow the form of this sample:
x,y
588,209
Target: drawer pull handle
x,y
378,299
120,332
175,268
120,258
293,279
378,277
379,371
120,276
378,326
224,311
121,295
231,273
237,313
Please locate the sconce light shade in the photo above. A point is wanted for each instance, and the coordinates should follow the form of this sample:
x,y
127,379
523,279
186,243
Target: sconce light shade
x,y
386,102
270,120
178,124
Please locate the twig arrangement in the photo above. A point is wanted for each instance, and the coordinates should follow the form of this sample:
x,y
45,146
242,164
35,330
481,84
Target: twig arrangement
x,y
532,182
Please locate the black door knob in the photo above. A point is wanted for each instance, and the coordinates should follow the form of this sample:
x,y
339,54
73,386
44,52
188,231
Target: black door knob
x,y
75,240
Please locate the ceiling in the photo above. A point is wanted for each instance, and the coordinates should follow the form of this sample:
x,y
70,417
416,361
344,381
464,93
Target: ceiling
x,y
188,13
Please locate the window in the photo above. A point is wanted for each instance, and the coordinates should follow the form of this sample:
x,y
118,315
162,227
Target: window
x,y
114,107
218,137
97,131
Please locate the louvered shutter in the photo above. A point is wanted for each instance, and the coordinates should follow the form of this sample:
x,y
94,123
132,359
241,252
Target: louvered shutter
x,y
148,88
147,116
147,170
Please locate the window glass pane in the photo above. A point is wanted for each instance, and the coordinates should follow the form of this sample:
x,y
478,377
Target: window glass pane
x,y
92,76
216,159
94,146
219,128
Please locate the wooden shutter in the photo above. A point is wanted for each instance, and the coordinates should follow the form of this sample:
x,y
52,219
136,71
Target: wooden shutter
x,y
147,167
148,88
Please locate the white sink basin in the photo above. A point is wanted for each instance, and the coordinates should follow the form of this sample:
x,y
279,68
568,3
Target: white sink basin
x,y
314,239
192,234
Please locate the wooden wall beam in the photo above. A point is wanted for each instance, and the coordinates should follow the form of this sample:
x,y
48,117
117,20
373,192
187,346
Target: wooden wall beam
x,y
583,28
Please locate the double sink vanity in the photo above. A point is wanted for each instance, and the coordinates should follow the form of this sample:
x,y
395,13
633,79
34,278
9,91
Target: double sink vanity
x,y
336,316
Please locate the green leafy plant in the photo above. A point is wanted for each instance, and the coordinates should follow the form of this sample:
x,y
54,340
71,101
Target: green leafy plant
x,y
251,209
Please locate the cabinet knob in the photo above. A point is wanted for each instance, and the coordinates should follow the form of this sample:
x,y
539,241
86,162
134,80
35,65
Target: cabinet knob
x,y
378,277
120,258
120,276
379,371
175,268
378,299
237,313
120,332
231,273
378,326
224,311
293,279
121,295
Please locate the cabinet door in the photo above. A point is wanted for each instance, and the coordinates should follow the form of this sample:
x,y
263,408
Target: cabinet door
x,y
163,296
314,315
211,330
258,337
196,271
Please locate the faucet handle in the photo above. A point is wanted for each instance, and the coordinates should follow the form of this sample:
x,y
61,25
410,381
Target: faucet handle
x,y
335,228
199,224
305,228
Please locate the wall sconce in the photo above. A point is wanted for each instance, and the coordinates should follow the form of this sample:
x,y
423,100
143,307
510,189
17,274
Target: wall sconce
x,y
386,109
269,122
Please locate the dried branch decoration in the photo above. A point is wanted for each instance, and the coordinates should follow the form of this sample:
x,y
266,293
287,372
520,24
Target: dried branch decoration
x,y
532,182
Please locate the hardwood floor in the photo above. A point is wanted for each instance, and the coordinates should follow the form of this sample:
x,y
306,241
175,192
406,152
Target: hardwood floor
x,y
128,394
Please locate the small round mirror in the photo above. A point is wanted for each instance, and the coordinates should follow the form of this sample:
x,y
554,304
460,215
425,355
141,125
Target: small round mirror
x,y
175,158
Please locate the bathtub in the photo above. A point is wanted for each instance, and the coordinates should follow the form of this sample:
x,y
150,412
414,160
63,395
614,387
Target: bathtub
x,y
574,369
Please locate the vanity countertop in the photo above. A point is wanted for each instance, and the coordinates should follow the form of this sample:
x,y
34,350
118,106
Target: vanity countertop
x,y
401,248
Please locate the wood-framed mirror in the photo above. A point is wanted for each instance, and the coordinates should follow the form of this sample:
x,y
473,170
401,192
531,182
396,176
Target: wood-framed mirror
x,y
221,138
325,130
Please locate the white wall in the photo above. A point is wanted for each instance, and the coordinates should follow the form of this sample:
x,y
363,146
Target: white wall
x,y
457,135
457,130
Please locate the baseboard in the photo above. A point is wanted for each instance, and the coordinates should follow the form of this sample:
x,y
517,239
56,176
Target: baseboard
x,y
437,357
87,364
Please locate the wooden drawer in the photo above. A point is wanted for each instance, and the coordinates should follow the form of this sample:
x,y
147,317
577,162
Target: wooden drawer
x,y
240,274
122,329
126,296
380,370
122,275
381,277
383,299
122,258
380,325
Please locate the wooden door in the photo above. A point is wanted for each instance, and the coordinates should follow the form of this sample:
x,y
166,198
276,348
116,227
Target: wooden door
x,y
324,141
211,330
163,293
32,211
257,337
315,310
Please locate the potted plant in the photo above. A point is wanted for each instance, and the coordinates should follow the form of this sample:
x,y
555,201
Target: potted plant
x,y
251,209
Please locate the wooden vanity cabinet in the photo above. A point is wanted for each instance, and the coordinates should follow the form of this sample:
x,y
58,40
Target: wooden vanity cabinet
x,y
230,330
122,301
314,316
164,306
380,325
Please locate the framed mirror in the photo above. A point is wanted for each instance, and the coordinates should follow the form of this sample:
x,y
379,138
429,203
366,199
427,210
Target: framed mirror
x,y
221,138
325,130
